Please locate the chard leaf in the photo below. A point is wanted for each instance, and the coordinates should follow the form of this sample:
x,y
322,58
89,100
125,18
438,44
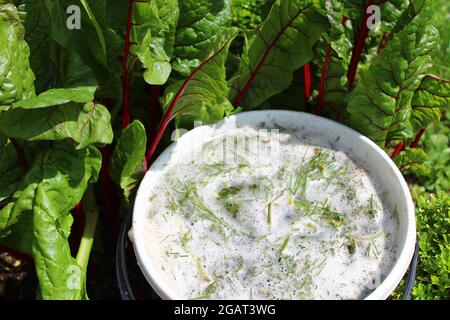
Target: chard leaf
x,y
291,98
429,100
272,53
54,97
380,105
128,159
201,24
77,73
54,185
154,35
390,11
87,46
333,92
53,66
16,77
59,114
413,160
88,41
202,95
53,160
101,55
37,21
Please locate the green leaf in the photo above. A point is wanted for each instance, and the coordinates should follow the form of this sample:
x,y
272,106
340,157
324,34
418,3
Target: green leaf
x,y
128,159
77,74
390,12
56,97
10,171
380,105
53,65
16,77
248,14
436,142
202,96
89,40
433,223
96,45
414,161
332,59
292,98
36,21
430,99
441,57
155,40
332,98
54,185
98,30
59,114
201,23
282,44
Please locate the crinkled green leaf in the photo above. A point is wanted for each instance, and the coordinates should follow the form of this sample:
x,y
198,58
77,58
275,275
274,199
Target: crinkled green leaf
x,y
54,185
201,23
36,21
248,14
413,160
390,12
53,65
335,11
332,57
59,114
282,44
16,76
154,35
46,168
202,95
333,97
128,158
380,105
430,99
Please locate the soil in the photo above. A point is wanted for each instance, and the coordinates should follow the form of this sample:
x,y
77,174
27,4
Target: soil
x,y
17,278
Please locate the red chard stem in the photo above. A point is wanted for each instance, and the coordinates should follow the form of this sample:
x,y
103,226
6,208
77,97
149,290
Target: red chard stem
x,y
358,48
307,80
417,138
397,150
126,118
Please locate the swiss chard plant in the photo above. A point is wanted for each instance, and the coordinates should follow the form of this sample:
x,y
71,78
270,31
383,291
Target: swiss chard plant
x,y
84,111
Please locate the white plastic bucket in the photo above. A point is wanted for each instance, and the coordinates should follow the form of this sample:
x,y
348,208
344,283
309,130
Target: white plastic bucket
x,y
357,146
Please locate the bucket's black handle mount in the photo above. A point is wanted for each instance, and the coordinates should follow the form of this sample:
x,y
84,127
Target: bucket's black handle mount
x,y
127,293
412,272
123,282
